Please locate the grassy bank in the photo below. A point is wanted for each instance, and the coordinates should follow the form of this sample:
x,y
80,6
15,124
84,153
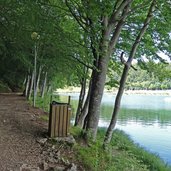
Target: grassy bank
x,y
122,154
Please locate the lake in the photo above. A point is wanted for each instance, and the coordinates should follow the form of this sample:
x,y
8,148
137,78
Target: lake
x,y
145,118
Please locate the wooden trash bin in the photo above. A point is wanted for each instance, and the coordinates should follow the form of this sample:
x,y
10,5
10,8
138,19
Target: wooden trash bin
x,y
59,119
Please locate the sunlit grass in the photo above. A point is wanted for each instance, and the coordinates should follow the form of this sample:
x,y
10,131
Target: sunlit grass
x,y
44,117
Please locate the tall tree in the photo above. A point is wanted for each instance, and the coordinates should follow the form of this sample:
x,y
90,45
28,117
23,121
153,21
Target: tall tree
x,y
126,69
102,21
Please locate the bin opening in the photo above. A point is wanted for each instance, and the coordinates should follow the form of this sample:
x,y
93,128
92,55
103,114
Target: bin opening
x,y
58,103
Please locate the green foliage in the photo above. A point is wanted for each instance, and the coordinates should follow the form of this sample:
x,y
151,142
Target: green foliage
x,y
44,103
4,88
148,76
59,41
44,117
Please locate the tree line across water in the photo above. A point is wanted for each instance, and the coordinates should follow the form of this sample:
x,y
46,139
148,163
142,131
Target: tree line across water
x,y
49,44
141,79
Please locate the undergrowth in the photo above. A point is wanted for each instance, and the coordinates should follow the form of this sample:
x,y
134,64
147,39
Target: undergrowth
x,y
4,88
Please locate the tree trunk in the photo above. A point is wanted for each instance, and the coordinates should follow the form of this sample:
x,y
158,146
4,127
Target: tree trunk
x,y
98,82
49,88
35,74
116,105
38,80
81,100
44,86
84,110
24,83
26,86
30,89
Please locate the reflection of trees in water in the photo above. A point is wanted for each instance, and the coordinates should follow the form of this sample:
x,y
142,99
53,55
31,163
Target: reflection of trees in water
x,y
145,117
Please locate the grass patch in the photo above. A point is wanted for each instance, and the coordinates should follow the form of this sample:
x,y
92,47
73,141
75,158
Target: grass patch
x,y
44,117
44,103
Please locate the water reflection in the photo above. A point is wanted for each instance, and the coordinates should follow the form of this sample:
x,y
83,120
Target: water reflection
x,y
144,116
140,101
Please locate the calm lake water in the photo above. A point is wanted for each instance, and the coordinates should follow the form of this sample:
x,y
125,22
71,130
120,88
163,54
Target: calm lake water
x,y
145,118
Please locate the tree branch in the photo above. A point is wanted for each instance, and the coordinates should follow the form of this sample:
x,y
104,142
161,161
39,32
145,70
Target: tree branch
x,y
141,33
75,16
124,62
55,6
81,62
122,59
117,31
115,14
116,4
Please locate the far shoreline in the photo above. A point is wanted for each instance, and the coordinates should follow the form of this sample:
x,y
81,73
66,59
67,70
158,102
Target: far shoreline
x,y
114,91
149,92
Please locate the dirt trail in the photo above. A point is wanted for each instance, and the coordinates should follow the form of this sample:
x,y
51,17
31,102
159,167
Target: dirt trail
x,y
19,129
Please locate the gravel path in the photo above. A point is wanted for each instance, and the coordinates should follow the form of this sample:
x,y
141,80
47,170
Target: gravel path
x,y
19,129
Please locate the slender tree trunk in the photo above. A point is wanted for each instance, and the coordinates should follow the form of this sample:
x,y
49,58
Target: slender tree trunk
x,y
49,88
137,41
35,74
84,110
26,86
38,80
24,83
81,100
25,79
44,86
116,105
30,89
81,96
